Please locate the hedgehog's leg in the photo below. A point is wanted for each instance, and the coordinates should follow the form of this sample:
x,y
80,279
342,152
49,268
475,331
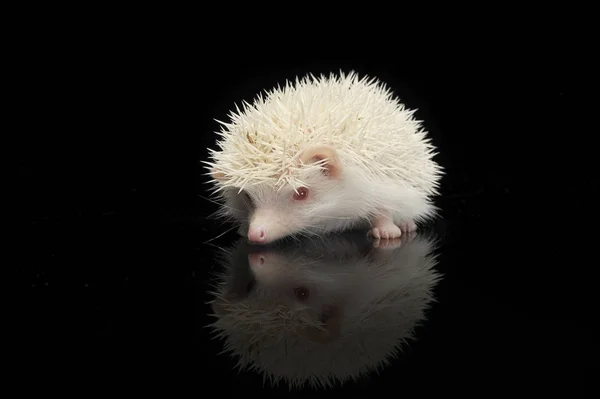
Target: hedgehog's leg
x,y
383,227
408,226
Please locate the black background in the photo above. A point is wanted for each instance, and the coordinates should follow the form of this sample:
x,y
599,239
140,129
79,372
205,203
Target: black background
x,y
113,115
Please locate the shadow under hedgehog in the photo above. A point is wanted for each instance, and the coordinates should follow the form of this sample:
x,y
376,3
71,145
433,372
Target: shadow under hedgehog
x,y
324,155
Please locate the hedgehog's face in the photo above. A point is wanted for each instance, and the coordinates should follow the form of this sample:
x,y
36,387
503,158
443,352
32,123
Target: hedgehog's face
x,y
270,213
286,281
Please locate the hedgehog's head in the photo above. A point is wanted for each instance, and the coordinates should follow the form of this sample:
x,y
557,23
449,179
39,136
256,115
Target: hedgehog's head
x,y
272,212
283,292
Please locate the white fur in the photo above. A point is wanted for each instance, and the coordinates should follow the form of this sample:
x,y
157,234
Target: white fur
x,y
383,297
386,158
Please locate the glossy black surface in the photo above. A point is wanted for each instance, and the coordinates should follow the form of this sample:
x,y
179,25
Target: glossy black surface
x,y
113,225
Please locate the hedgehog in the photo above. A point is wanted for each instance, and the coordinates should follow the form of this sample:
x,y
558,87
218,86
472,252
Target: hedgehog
x,y
323,155
322,312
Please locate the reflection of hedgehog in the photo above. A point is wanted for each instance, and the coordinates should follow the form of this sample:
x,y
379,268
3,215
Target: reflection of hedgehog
x,y
322,311
325,155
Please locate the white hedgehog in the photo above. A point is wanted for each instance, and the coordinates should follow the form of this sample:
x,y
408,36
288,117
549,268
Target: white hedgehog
x,y
324,155
322,312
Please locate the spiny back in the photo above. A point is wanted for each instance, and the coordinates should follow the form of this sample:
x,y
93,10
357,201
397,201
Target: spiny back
x,y
360,118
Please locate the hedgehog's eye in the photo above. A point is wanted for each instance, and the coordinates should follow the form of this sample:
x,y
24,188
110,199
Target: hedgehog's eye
x,y
301,293
302,194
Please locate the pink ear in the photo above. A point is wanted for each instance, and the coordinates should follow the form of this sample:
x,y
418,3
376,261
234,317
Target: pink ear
x,y
333,166
218,308
219,305
217,175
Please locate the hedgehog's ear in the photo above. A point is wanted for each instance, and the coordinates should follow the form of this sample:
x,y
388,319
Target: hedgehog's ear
x,y
219,306
219,176
333,166
332,324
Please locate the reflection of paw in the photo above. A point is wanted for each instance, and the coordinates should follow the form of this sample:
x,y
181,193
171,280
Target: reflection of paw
x,y
386,231
409,226
392,243
408,236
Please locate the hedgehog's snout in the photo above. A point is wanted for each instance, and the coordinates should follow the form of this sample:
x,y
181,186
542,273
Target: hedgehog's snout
x,y
257,234
266,226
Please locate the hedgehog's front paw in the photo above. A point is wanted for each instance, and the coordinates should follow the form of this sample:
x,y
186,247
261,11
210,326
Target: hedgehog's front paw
x,y
386,231
409,226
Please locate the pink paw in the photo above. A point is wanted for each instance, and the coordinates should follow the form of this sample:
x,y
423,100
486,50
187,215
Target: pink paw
x,y
386,232
408,226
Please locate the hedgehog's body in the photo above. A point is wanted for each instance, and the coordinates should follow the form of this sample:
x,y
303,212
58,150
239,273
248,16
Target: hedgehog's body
x,y
325,155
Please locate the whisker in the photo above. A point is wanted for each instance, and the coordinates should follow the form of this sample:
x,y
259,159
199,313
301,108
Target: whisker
x,y
309,234
217,214
211,200
218,247
220,235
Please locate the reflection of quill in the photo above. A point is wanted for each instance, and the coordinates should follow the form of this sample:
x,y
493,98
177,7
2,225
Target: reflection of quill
x,y
322,311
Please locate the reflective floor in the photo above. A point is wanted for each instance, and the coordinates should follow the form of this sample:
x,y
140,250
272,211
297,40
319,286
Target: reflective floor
x,y
123,298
